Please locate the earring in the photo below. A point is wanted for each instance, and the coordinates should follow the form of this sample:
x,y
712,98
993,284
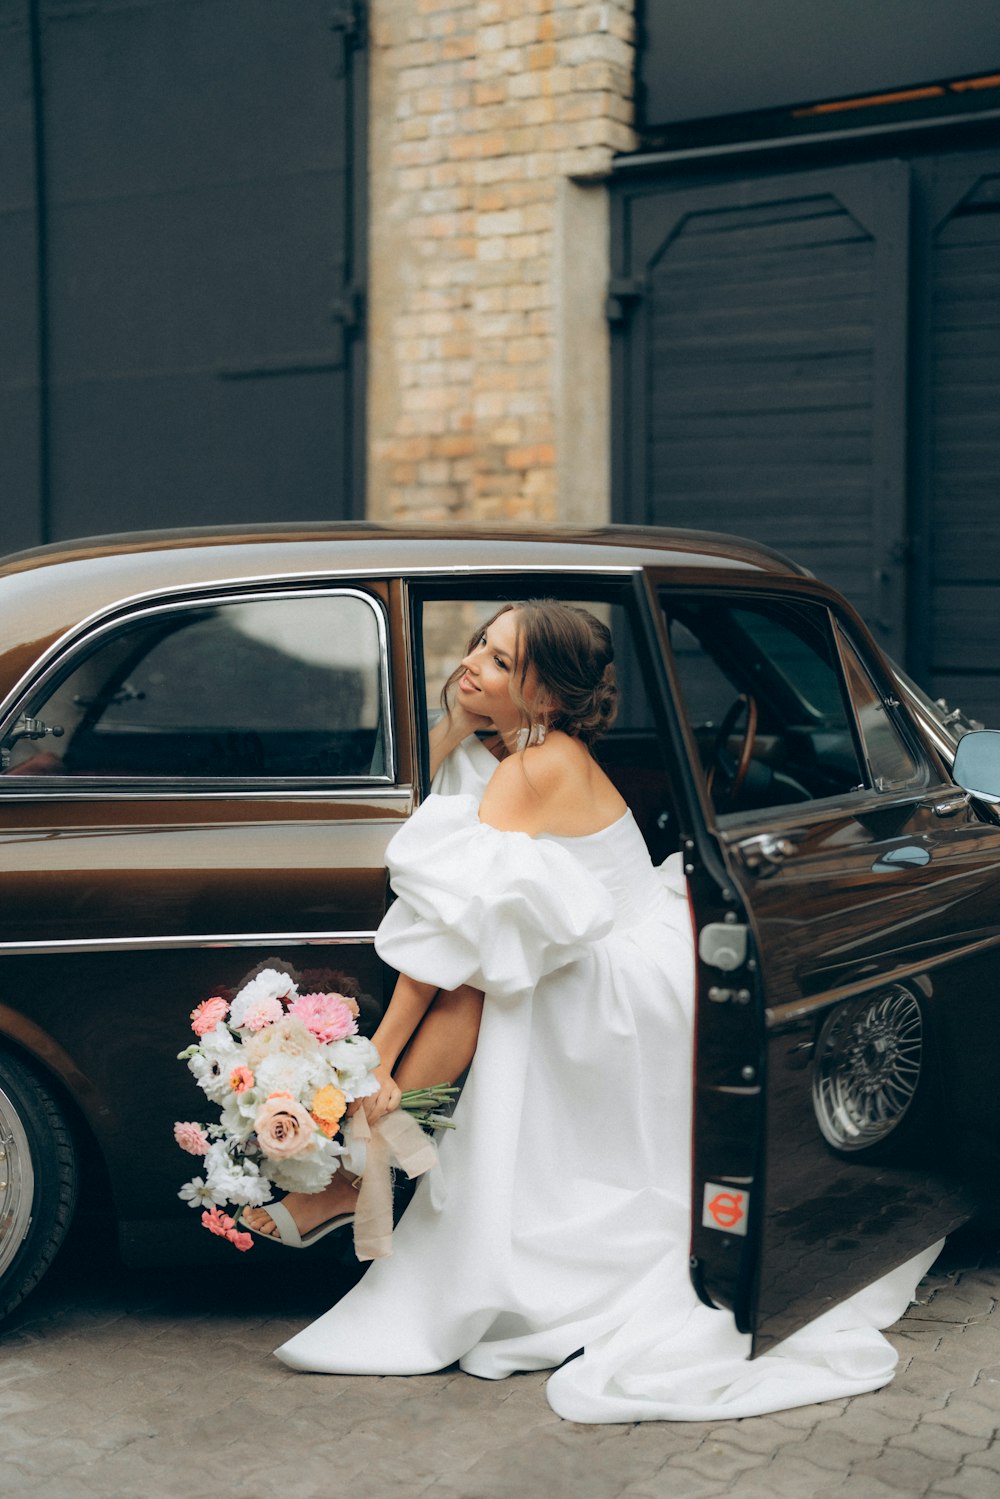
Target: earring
x,y
529,736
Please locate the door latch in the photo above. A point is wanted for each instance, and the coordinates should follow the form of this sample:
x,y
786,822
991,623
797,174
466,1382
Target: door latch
x,y
762,855
723,945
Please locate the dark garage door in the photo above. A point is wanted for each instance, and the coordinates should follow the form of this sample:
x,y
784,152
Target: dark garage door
x,y
810,359
180,213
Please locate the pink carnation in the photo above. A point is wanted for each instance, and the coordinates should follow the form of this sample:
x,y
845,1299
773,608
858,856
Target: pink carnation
x,y
224,1227
208,1014
191,1137
330,1017
218,1223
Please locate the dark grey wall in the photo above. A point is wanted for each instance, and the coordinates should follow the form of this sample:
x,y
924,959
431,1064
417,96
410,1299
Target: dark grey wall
x,y
182,236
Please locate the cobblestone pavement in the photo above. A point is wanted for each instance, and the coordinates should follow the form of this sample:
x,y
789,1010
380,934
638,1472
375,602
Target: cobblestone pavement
x,y
128,1384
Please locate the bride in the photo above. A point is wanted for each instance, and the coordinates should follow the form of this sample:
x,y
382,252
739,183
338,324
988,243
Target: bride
x,y
535,941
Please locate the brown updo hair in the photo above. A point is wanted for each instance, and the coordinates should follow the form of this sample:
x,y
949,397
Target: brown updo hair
x,y
573,659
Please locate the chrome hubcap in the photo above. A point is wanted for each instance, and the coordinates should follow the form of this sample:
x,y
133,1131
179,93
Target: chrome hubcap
x,y
867,1069
17,1182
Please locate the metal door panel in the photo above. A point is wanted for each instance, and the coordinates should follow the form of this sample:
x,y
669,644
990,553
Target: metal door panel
x,y
868,891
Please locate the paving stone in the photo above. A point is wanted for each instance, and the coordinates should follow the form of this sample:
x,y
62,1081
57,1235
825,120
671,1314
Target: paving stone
x,y
718,1460
906,1471
933,1441
965,1416
969,1483
121,1387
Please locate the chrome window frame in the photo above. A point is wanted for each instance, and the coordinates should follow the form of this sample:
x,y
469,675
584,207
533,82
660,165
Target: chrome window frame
x,y
88,634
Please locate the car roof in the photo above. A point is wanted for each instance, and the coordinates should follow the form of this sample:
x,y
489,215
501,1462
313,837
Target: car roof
x,y
48,590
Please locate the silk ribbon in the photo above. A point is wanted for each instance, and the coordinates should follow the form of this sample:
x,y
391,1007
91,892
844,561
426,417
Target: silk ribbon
x,y
394,1140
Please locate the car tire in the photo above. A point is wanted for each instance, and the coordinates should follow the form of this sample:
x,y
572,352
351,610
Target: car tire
x,y
38,1177
871,1075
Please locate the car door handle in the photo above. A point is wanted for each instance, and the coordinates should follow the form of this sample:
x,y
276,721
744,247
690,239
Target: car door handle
x,y
763,853
905,856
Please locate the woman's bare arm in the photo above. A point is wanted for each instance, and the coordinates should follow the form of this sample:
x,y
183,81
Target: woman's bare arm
x,y
448,733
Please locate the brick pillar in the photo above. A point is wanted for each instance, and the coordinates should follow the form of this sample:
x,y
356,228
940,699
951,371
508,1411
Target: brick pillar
x,y
485,118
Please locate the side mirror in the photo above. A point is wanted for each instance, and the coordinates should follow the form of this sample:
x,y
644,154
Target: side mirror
x,y
977,764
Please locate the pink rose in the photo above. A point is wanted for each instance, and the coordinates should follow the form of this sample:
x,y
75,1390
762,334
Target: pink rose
x,y
283,1127
208,1014
240,1079
191,1137
329,1016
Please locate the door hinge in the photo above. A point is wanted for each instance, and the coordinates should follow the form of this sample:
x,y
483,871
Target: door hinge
x,y
349,310
623,293
350,17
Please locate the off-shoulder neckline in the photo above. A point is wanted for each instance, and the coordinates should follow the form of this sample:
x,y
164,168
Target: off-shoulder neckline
x,y
582,837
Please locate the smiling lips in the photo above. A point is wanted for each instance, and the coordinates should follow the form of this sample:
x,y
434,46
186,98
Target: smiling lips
x,y
467,684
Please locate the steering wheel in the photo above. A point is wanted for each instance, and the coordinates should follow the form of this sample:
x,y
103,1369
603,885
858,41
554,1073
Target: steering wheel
x,y
720,762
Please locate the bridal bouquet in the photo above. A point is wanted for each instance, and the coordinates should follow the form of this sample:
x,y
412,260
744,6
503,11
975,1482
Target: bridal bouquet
x,y
283,1067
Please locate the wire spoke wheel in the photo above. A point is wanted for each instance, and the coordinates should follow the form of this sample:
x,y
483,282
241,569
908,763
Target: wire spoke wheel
x,y
869,1058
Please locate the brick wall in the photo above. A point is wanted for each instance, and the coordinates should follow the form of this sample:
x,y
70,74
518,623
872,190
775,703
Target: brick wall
x,y
480,114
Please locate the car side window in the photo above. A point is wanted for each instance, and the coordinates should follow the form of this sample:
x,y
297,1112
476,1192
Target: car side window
x,y
892,764
764,696
282,686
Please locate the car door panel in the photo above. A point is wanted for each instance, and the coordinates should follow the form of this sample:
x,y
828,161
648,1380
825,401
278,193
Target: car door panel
x,y
864,898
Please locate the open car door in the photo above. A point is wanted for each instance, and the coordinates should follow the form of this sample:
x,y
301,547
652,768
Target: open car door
x,y
846,904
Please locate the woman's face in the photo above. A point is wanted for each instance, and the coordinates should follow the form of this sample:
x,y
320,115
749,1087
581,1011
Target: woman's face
x,y
490,668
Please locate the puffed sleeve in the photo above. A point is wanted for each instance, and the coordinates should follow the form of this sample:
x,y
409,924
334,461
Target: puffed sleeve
x,y
478,906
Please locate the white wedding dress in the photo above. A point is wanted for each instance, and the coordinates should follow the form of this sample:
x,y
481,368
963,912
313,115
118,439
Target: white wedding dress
x,y
557,1218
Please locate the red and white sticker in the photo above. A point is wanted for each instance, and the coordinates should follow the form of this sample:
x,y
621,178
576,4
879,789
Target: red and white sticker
x,y
725,1208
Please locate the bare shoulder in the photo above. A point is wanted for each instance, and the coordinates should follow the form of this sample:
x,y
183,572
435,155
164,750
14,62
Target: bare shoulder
x,y
533,792
516,797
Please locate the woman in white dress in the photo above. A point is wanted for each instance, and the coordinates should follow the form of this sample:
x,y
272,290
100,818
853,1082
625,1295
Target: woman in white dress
x,y
534,938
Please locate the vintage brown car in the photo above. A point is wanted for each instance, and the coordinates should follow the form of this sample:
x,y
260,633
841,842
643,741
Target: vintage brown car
x,y
208,739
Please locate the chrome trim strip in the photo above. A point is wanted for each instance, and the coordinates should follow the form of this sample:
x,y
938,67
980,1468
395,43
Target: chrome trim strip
x,y
240,939
800,1009
52,790
98,625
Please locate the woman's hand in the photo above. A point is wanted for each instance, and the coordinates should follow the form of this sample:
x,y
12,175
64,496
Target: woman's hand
x,y
451,729
377,1105
462,721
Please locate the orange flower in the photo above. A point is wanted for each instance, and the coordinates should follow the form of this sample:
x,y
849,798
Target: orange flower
x,y
328,1109
240,1079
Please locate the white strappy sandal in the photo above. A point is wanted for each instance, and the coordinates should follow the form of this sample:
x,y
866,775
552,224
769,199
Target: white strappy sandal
x,y
288,1232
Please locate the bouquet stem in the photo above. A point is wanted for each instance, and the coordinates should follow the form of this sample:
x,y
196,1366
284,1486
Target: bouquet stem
x,y
423,1105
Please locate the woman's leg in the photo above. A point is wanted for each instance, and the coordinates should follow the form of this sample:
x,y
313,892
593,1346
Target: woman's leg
x,y
445,1040
439,1052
